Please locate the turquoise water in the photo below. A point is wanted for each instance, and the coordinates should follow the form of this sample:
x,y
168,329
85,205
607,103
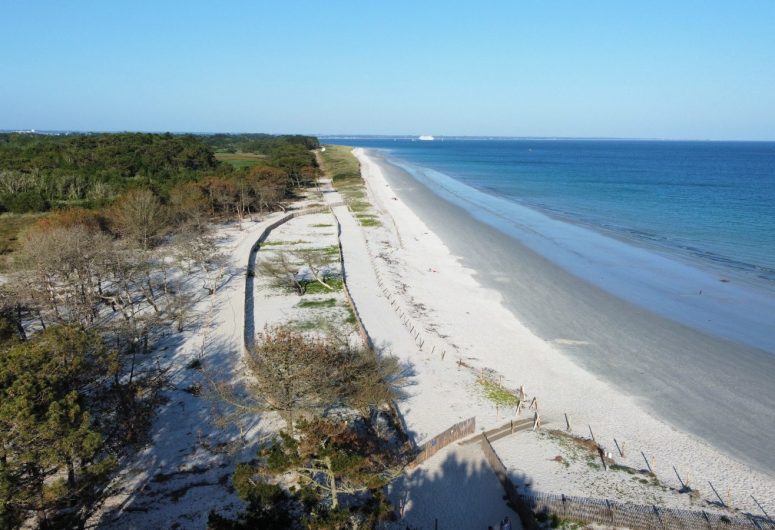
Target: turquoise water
x,y
712,203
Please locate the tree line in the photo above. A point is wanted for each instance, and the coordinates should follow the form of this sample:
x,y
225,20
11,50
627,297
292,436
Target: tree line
x,y
44,172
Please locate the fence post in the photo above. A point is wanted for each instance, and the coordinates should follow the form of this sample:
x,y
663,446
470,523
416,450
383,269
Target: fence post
x,y
659,518
707,520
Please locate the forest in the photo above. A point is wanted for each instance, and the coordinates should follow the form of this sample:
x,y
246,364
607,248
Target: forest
x,y
43,172
89,288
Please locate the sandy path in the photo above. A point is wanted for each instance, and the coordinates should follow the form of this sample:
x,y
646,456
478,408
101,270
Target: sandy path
x,y
180,475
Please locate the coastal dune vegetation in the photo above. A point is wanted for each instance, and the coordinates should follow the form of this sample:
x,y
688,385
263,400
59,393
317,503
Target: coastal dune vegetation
x,y
108,245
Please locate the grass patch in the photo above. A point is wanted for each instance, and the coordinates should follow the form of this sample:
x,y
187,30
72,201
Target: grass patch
x,y
311,324
344,170
281,243
359,206
555,521
240,160
626,469
327,302
11,227
497,394
341,166
368,220
321,225
330,251
314,287
350,315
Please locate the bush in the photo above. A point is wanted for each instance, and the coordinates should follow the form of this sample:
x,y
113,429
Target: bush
x,y
26,201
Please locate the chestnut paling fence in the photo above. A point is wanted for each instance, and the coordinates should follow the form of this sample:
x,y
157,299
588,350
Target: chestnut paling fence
x,y
442,440
533,506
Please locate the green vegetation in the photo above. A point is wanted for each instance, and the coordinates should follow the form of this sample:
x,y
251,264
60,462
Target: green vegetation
x,y
66,417
359,206
261,144
283,243
314,287
326,302
341,469
497,394
309,324
351,319
38,173
240,160
555,521
331,251
321,225
106,173
368,220
332,395
341,166
42,172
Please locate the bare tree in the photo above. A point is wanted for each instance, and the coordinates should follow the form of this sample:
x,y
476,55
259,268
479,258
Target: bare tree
x,y
297,269
318,265
282,272
141,217
59,270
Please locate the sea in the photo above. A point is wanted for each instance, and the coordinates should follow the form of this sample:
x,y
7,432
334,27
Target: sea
x,y
658,217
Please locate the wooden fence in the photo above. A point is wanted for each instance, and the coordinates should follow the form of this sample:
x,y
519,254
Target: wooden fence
x,y
532,507
638,516
442,440
517,502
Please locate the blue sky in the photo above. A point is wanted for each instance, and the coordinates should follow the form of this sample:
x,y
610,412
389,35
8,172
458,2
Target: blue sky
x,y
666,69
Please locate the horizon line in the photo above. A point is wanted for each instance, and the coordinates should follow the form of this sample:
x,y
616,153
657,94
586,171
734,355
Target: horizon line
x,y
385,136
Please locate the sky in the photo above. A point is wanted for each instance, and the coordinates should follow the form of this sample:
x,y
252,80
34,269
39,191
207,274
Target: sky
x,y
677,69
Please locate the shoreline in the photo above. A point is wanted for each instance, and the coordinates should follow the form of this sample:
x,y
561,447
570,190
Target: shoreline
x,y
554,368
716,302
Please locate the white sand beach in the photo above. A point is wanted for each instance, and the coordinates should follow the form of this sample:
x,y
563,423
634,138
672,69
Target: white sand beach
x,y
452,312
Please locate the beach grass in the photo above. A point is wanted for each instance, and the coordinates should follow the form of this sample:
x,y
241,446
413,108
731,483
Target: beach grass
x,y
326,302
283,243
368,220
497,394
350,315
359,206
309,324
344,170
